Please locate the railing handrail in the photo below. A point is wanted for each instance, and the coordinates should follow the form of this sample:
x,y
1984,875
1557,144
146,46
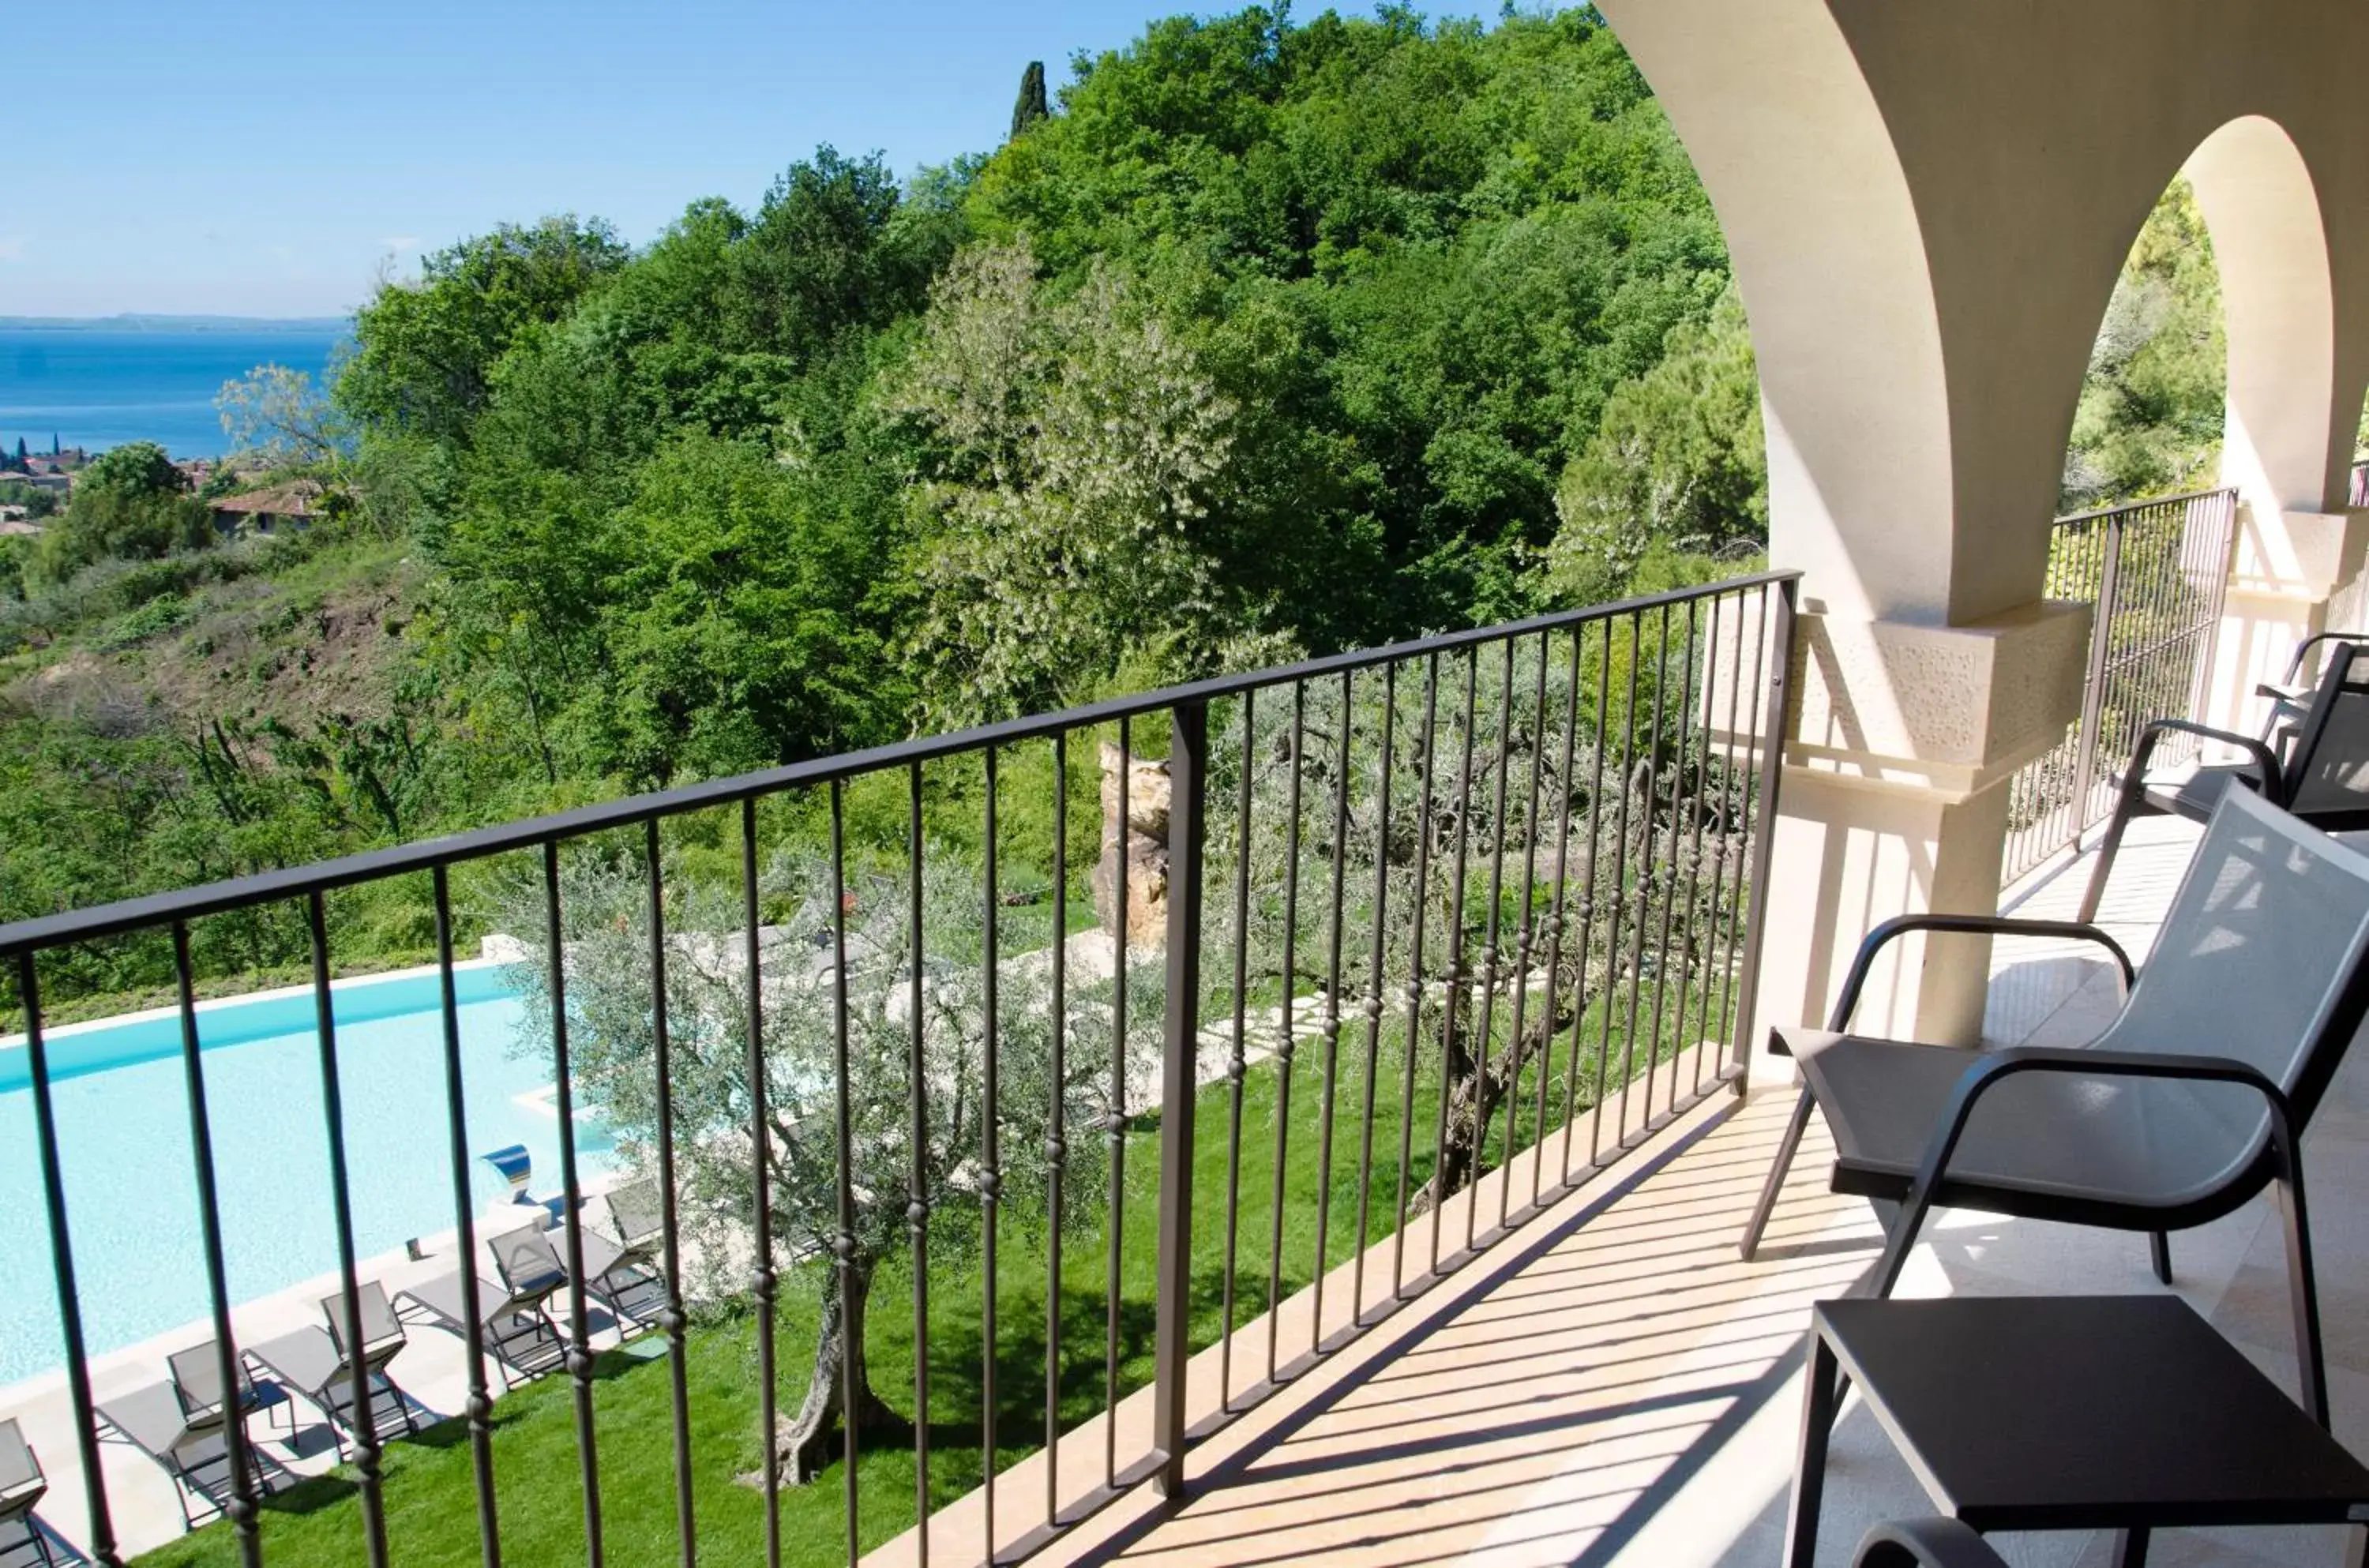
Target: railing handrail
x,y
153,910
2181,498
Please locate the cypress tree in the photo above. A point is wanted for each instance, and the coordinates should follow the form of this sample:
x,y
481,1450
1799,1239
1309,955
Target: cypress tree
x,y
1032,106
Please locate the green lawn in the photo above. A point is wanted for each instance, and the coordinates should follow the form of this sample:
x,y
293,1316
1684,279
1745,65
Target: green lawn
x,y
429,1488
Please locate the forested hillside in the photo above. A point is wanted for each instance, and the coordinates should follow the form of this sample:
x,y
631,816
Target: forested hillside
x,y
1262,337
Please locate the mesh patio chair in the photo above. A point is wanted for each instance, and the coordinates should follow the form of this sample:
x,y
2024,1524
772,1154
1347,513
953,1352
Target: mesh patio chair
x,y
2189,1105
2312,760
22,1486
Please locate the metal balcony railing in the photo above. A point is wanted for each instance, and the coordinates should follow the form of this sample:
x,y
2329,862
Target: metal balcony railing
x,y
2157,571
1510,878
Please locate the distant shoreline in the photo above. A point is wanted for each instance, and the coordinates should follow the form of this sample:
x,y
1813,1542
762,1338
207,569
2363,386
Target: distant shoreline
x,y
294,325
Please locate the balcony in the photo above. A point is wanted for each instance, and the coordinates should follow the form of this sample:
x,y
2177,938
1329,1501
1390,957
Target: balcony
x,y
1560,1360
1362,1177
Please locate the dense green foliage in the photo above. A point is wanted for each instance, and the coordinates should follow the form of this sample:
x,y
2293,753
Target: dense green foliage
x,y
2151,409
1264,337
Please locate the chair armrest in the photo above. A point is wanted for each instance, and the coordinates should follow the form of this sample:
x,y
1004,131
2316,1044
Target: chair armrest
x,y
2258,755
2294,664
1847,1001
1993,1067
1924,1543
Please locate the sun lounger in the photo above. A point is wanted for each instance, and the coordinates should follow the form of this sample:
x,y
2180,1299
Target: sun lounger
x,y
21,1486
621,1265
381,1331
196,1456
516,1333
310,1363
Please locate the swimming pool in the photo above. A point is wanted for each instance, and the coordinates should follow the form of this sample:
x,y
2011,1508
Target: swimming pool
x,y
123,1133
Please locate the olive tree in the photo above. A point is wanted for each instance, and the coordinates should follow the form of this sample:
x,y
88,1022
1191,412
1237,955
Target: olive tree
x,y
1549,835
912,1158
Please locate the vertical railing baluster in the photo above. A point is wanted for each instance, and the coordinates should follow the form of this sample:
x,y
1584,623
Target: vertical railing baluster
x,y
1522,942
1332,1025
1236,1060
580,1346
767,1283
1188,771
480,1407
1677,836
1730,996
1373,1001
1587,893
917,1205
1613,969
1455,974
1557,912
1647,860
991,1153
1693,946
842,1248
1771,777
1115,1122
2093,691
672,1320
1056,1146
1289,1047
342,1206
1489,944
243,1509
1722,779
1416,900
61,1267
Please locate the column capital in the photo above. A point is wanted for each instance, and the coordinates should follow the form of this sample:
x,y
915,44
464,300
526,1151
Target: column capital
x,y
1943,711
2300,555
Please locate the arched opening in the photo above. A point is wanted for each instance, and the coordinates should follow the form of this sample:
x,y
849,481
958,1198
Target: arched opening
x,y
2208,386
2150,418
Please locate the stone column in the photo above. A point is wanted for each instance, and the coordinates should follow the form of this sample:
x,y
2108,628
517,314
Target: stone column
x,y
1894,801
2295,573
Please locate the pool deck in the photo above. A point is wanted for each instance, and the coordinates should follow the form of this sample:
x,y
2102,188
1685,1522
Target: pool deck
x,y
432,1370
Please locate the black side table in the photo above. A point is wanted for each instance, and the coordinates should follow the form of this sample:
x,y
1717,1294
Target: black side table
x,y
2063,1413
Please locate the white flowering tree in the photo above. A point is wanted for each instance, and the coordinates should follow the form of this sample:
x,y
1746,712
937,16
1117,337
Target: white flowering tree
x,y
1072,442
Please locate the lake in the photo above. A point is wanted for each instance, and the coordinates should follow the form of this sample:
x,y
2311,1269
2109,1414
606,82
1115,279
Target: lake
x,y
99,387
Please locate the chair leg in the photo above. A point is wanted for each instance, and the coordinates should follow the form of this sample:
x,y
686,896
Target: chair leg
x,y
2125,804
2160,1254
2304,1292
1786,1148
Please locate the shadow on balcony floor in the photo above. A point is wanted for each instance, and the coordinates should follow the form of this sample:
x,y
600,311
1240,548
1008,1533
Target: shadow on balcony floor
x,y
1612,1388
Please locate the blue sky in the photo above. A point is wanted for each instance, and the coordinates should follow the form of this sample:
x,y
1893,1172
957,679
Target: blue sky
x,y
270,157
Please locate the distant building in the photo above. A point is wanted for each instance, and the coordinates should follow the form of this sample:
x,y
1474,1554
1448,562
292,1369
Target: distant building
x,y
63,462
60,483
17,527
293,505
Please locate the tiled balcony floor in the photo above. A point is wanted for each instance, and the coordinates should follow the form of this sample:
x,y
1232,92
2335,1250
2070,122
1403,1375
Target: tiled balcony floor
x,y
1611,1386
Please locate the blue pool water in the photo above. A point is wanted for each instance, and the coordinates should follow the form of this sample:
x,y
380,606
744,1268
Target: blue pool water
x,y
123,1126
